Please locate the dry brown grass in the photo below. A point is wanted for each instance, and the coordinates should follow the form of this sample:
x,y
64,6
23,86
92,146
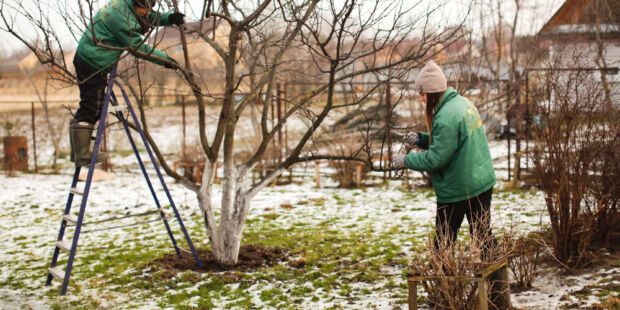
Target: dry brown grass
x,y
461,259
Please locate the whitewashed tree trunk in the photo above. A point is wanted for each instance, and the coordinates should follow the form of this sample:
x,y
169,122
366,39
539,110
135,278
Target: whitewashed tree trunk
x,y
225,239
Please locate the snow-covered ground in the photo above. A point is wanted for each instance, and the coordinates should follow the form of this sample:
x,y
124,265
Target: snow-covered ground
x,y
32,207
112,266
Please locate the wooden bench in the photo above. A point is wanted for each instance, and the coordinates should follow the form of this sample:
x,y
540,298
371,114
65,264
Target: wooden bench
x,y
482,278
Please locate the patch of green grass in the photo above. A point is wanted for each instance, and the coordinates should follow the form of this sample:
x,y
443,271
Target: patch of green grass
x,y
271,216
335,260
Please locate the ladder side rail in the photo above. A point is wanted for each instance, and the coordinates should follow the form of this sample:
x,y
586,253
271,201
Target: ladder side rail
x,y
148,180
63,225
159,175
89,178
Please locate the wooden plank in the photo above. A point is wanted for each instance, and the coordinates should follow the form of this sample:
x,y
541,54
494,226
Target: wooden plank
x,y
450,278
413,295
482,295
489,270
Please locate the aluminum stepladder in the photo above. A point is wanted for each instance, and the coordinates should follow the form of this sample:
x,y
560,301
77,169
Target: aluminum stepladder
x,y
68,219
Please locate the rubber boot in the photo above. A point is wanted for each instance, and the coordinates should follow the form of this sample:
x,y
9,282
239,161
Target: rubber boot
x,y
500,288
80,136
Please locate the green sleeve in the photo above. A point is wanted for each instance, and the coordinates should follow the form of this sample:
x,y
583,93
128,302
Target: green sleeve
x,y
127,37
440,151
159,19
424,139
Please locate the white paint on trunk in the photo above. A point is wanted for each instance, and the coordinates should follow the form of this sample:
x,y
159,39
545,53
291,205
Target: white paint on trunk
x,y
237,192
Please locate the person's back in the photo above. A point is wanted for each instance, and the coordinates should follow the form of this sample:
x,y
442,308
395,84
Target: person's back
x,y
117,27
469,171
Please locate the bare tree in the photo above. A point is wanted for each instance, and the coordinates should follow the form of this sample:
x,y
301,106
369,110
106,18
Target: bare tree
x,y
335,43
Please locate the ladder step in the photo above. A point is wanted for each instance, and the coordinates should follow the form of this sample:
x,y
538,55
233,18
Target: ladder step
x,y
116,108
70,218
57,272
63,245
183,250
75,191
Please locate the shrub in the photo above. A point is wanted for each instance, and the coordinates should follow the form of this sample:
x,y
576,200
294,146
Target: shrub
x,y
575,159
461,259
523,259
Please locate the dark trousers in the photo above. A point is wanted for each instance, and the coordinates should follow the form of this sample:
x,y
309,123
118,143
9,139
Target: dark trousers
x,y
478,211
92,86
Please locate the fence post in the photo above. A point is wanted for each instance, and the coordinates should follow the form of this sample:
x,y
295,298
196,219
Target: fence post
x,y
285,127
279,113
317,174
34,140
528,119
358,175
518,129
183,113
273,124
508,130
388,124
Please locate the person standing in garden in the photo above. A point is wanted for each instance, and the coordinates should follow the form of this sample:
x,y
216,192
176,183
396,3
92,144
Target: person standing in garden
x,y
118,26
458,159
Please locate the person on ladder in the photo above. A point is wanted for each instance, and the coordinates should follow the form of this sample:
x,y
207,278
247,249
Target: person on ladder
x,y
118,26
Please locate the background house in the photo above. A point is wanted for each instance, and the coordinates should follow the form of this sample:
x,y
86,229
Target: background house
x,y
586,34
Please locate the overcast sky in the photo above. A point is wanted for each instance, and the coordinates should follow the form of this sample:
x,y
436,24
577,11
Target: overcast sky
x,y
533,15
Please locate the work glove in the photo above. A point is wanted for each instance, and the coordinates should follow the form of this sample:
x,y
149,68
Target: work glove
x,y
176,19
174,65
398,161
411,139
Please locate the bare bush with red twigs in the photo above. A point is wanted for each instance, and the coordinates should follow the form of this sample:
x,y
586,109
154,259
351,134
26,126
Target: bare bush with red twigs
x,y
575,156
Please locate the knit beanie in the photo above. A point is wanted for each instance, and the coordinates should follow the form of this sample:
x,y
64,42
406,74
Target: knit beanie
x,y
431,79
149,4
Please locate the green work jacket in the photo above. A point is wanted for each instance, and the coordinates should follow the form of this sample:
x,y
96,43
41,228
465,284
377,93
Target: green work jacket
x,y
116,25
458,156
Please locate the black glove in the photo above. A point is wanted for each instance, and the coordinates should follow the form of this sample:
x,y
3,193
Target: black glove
x,y
173,65
176,19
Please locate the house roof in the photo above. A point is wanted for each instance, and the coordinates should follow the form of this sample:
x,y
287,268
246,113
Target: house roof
x,y
31,63
581,16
